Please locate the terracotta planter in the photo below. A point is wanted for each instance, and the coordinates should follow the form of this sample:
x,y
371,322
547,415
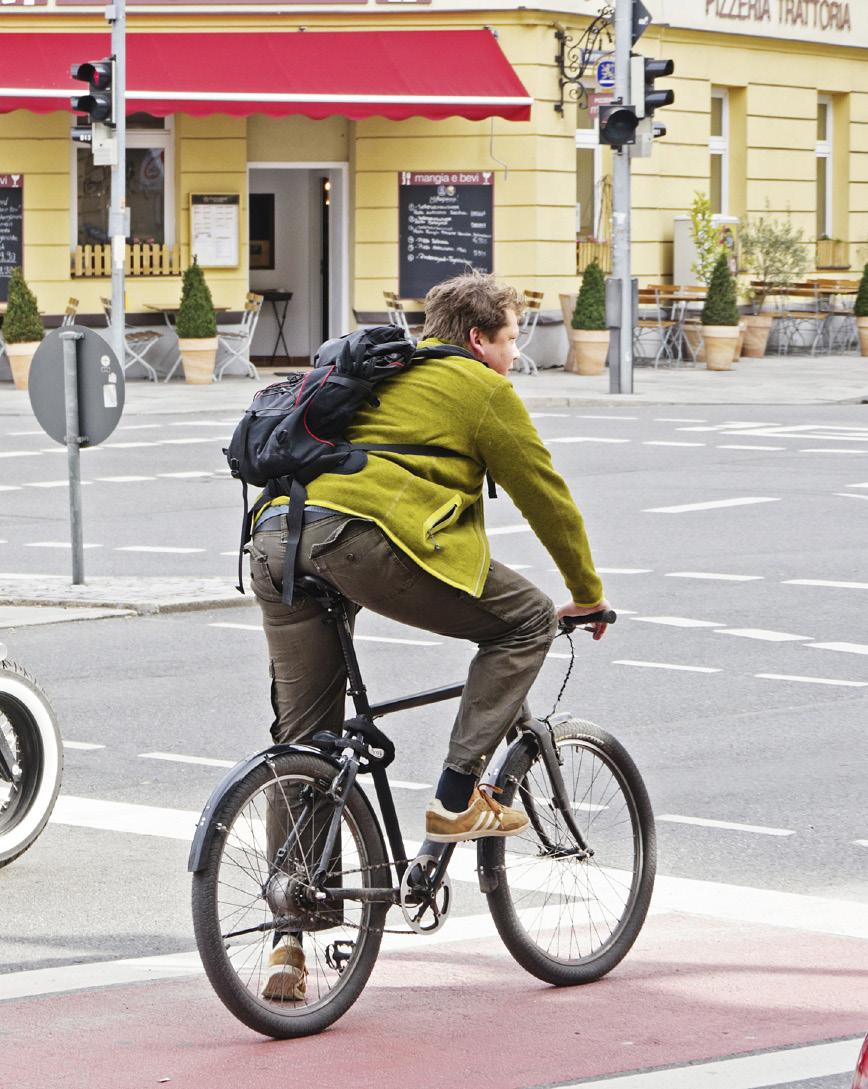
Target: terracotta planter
x,y
862,328
589,348
568,305
693,336
756,335
20,357
720,342
199,356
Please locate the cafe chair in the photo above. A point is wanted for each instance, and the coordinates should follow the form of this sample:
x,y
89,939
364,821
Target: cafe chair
x,y
237,339
137,343
525,364
654,326
69,313
397,315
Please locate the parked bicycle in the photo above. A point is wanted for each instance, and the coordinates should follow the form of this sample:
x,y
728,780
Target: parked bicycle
x,y
568,895
31,759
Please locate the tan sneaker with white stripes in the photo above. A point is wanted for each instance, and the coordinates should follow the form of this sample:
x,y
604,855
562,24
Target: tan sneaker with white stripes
x,y
483,817
289,983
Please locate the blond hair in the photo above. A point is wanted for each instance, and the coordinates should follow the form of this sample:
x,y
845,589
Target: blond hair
x,y
472,300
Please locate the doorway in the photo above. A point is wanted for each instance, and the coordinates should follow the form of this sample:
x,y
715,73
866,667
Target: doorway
x,y
298,247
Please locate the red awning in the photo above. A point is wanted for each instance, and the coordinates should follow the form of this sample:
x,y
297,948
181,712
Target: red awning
x,y
355,74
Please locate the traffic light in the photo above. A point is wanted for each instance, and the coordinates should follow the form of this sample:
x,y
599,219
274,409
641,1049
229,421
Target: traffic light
x,y
653,98
618,124
99,103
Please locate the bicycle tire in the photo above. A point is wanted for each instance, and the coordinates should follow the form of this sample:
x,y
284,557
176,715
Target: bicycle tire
x,y
525,869
225,963
29,724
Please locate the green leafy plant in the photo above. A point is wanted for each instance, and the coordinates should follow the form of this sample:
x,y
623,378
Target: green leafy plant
x,y
720,307
590,309
22,322
773,250
706,237
196,318
860,306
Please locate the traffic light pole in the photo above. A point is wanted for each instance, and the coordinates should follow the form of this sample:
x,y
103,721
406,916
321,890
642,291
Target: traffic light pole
x,y
621,361
117,16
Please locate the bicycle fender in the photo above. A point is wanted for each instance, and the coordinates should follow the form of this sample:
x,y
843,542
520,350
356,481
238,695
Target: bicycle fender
x,y
495,775
206,829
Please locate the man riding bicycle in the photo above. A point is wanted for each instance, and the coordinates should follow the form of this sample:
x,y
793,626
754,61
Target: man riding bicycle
x,y
405,537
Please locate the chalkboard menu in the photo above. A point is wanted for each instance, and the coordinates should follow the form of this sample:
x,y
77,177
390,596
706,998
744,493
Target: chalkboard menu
x,y
11,223
446,225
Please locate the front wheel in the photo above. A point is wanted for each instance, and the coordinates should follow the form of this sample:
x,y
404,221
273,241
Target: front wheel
x,y
569,919
32,764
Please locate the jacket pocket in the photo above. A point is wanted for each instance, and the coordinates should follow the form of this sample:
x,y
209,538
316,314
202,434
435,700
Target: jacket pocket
x,y
441,518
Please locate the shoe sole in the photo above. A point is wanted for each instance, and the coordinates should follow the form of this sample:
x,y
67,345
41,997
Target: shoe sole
x,y
458,837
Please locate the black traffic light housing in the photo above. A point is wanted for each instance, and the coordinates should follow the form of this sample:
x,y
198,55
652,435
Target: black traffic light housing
x,y
618,124
653,98
99,103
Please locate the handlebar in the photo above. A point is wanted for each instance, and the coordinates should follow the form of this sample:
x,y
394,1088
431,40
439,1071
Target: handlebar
x,y
570,623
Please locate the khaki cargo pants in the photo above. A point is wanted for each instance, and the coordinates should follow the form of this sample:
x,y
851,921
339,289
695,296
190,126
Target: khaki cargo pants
x,y
513,624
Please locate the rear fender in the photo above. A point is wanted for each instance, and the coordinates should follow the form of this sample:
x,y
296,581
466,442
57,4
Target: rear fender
x,y
495,776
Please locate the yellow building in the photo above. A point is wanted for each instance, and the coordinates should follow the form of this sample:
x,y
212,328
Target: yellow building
x,y
771,110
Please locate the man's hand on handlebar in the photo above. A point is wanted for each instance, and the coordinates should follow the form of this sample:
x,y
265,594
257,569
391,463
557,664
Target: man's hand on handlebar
x,y
598,617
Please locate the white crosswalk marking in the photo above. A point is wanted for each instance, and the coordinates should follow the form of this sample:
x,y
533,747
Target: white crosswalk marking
x,y
713,504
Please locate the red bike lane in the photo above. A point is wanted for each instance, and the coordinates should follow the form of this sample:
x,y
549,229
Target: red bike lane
x,y
462,1013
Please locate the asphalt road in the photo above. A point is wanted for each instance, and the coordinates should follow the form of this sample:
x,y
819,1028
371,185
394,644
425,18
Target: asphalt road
x,y
733,544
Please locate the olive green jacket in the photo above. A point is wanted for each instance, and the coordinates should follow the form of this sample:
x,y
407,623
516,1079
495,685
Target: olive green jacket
x,y
431,507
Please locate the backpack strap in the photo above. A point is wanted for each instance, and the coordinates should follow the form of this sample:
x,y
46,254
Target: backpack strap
x,y
444,351
294,526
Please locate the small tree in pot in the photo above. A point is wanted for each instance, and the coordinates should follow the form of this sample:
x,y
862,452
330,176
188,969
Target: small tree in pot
x,y
774,251
196,326
22,328
720,318
589,333
860,310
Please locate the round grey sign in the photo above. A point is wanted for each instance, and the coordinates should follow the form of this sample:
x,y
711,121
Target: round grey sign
x,y
100,386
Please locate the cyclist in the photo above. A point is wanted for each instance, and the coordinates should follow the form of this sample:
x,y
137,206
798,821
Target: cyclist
x,y
405,537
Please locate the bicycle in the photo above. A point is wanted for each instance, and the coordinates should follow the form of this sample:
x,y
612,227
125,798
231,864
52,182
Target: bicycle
x,y
31,759
568,895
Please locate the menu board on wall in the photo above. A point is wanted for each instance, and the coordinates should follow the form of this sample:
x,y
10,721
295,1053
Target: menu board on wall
x,y
214,229
11,227
445,226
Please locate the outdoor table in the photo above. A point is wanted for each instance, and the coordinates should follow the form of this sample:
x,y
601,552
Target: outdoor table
x,y
275,297
169,311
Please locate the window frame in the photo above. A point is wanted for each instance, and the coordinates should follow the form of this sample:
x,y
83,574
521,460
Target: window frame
x,y
136,138
589,140
719,146
825,151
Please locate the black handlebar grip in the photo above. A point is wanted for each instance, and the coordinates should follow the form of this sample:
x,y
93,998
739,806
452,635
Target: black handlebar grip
x,y
570,623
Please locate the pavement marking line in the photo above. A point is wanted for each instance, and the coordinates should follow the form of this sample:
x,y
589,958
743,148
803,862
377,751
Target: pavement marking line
x,y
767,636
84,745
712,575
826,582
549,415
810,680
183,442
187,474
744,1072
864,484
734,826
618,570
851,495
238,627
10,487
56,544
678,420
9,434
156,548
713,504
52,483
586,438
358,638
744,446
521,566
139,427
861,842
124,479
678,621
128,445
143,820
500,530
820,450
844,648
580,416
179,758
20,453
663,665
662,442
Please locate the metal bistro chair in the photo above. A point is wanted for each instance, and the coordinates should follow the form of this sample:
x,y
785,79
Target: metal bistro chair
x,y
137,343
238,339
529,319
651,324
398,315
69,313
839,333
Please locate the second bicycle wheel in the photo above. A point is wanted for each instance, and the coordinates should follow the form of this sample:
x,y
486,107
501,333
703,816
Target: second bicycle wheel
x,y
244,887
567,919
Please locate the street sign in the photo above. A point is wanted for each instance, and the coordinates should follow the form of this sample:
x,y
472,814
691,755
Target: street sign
x,y
641,20
606,72
595,101
100,387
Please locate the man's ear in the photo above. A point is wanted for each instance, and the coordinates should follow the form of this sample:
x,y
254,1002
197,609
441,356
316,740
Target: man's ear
x,y
474,342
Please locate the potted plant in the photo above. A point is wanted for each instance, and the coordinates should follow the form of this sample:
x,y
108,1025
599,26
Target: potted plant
x,y
720,318
860,310
22,328
589,333
774,252
196,326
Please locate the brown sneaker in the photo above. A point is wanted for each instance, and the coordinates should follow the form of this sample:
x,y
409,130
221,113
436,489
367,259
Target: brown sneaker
x,y
483,817
290,983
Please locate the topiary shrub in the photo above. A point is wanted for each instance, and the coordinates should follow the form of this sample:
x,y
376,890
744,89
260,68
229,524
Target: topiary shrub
x,y
590,309
196,318
721,306
22,322
860,306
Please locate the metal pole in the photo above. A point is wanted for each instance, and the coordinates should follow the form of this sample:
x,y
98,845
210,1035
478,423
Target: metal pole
x,y
621,373
73,454
117,16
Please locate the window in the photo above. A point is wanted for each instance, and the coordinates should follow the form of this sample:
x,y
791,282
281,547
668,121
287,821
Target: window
x,y
824,166
718,147
588,176
149,184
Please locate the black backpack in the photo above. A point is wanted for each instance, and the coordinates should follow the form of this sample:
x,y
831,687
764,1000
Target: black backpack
x,y
294,430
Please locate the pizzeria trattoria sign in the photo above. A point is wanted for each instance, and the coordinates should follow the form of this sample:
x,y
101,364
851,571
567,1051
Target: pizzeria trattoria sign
x,y
804,14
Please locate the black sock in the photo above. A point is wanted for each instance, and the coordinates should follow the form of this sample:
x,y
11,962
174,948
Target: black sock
x,y
454,790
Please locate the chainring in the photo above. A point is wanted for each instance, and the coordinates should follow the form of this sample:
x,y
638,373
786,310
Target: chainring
x,y
425,910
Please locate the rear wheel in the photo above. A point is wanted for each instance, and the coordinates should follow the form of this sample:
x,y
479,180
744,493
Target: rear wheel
x,y
238,894
565,918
